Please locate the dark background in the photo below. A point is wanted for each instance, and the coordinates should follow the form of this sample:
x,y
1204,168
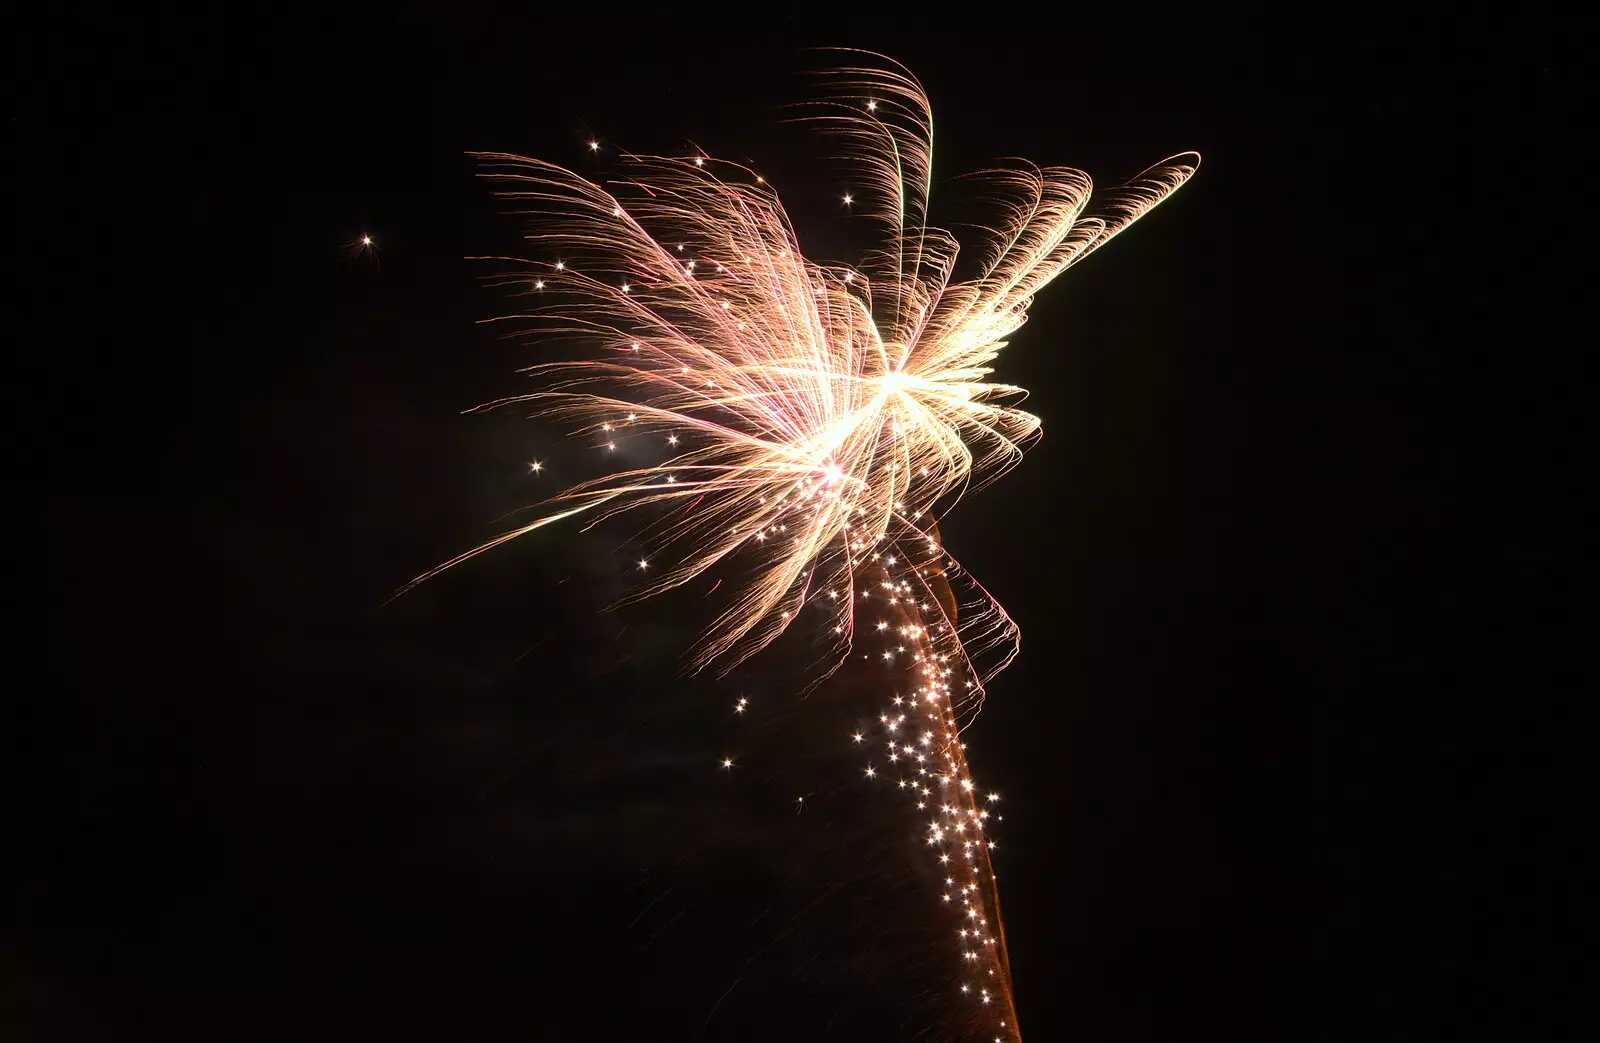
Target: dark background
x,y
1241,804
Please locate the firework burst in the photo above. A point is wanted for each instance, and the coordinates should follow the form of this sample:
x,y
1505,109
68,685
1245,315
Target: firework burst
x,y
814,418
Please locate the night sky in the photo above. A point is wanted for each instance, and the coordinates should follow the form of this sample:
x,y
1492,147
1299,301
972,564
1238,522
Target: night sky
x,y
275,807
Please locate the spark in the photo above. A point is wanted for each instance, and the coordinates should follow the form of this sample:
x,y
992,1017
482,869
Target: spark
x,y
362,245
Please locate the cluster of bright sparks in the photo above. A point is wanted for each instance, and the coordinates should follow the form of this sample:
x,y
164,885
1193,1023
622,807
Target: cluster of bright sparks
x,y
790,428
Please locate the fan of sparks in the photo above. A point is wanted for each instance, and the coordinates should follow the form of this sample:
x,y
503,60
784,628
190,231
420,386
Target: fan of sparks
x,y
788,429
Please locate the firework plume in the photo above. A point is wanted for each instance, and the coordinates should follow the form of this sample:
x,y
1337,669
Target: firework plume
x,y
813,419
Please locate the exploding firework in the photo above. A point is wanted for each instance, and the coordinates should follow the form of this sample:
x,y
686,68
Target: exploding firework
x,y
814,419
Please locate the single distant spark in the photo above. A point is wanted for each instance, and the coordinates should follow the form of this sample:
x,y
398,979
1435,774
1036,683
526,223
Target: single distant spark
x,y
832,407
362,246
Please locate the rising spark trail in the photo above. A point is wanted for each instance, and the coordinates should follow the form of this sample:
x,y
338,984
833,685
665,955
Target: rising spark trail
x,y
814,418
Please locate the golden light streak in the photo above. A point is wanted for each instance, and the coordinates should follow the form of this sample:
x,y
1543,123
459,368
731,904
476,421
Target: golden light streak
x,y
816,416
